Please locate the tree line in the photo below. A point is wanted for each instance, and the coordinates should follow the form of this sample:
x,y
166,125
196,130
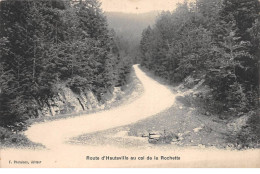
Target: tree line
x,y
45,42
214,40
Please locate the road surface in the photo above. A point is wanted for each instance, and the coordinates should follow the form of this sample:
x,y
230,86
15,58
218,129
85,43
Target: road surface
x,y
154,99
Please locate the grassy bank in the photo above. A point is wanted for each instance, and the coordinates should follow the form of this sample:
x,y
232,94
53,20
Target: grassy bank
x,y
10,139
189,122
191,128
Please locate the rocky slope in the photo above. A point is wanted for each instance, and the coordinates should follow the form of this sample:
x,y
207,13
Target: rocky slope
x,y
68,102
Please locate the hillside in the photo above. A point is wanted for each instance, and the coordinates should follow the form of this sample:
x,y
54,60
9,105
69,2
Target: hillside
x,y
129,27
66,55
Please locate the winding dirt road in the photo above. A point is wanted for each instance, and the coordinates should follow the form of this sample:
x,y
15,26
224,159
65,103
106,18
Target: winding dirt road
x,y
155,99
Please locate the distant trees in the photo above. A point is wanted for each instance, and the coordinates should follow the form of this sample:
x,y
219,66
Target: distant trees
x,y
47,42
128,28
213,40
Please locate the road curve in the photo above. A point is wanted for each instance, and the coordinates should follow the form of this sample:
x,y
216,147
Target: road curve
x,y
154,99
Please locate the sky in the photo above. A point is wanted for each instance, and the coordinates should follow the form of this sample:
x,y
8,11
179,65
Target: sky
x,y
138,6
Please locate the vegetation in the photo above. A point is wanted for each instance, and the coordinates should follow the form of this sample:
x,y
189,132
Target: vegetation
x,y
128,28
212,40
9,139
47,42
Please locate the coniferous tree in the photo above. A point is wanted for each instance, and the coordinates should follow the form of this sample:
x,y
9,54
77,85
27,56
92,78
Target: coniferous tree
x,y
44,43
212,40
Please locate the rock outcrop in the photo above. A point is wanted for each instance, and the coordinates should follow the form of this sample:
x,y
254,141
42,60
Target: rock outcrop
x,y
67,102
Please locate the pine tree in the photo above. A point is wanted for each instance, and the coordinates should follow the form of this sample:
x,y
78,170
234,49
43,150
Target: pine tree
x,y
45,43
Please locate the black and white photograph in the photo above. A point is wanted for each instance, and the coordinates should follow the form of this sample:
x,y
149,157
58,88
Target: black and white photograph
x,y
129,83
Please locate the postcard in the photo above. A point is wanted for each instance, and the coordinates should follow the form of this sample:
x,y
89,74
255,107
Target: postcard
x,y
129,84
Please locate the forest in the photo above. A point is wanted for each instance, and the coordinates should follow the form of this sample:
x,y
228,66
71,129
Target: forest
x,y
128,28
216,41
48,42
